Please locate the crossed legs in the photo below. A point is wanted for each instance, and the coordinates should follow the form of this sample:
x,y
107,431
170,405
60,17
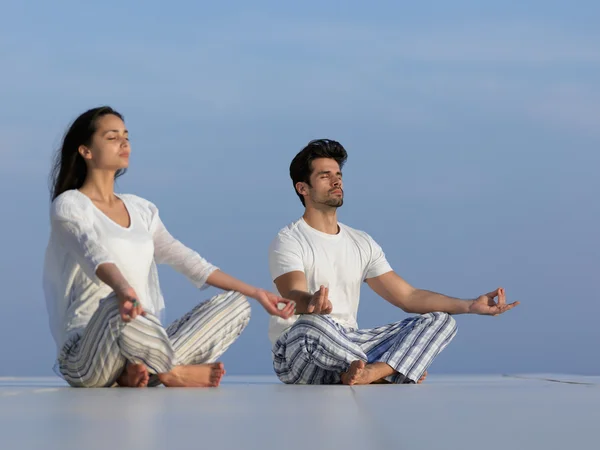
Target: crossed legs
x,y
317,350
142,352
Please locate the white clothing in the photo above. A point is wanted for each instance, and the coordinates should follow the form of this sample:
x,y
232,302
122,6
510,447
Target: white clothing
x,y
82,237
340,262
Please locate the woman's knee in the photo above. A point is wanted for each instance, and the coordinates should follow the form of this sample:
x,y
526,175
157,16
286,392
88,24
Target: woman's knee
x,y
145,341
100,379
109,306
233,305
89,384
237,303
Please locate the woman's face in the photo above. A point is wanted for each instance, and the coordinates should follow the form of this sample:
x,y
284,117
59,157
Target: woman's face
x,y
109,149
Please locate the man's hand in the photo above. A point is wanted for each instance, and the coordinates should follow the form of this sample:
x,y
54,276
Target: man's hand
x,y
271,302
319,302
293,285
486,304
129,304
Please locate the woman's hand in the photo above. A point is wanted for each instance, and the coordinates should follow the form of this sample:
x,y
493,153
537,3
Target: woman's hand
x,y
271,303
129,305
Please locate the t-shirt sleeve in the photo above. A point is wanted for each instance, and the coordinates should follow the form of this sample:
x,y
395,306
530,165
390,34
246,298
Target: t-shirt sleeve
x,y
168,250
73,228
285,255
378,264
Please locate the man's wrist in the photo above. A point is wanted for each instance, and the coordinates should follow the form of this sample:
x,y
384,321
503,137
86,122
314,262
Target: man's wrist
x,y
468,305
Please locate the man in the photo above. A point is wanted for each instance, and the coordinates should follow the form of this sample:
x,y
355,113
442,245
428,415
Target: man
x,y
320,264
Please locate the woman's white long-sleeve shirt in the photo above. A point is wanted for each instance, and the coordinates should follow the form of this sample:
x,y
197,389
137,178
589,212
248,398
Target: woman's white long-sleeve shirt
x,y
82,237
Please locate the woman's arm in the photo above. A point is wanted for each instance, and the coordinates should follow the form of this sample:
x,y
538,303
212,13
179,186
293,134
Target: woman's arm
x,y
168,250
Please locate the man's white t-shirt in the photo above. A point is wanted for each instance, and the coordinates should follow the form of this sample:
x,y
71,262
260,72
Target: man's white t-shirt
x,y
340,262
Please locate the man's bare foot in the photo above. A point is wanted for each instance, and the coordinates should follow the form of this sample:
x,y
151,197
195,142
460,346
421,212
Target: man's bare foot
x,y
200,375
381,381
134,375
375,373
384,381
355,373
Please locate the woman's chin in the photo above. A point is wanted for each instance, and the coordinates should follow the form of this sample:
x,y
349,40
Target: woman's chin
x,y
115,167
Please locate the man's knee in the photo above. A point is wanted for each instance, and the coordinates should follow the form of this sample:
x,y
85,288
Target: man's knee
x,y
440,320
311,332
293,381
292,362
446,320
315,322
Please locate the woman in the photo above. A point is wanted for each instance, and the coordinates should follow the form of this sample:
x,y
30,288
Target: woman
x,y
101,283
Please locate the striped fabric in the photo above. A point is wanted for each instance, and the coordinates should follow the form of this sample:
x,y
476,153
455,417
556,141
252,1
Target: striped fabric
x,y
99,355
316,349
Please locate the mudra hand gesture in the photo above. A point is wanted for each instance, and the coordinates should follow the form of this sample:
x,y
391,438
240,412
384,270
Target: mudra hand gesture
x,y
486,305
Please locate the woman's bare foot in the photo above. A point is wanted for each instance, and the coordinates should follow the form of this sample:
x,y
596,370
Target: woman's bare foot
x,y
422,378
134,375
200,375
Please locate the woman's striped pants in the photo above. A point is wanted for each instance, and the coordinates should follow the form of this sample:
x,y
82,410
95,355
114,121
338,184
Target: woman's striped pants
x,y
99,355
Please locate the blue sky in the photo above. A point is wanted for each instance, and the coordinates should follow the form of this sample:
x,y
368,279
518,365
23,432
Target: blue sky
x,y
472,131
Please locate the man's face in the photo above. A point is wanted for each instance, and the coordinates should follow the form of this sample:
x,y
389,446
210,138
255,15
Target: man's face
x,y
326,187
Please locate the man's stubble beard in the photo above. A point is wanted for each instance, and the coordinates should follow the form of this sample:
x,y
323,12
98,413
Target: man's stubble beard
x,y
335,203
331,202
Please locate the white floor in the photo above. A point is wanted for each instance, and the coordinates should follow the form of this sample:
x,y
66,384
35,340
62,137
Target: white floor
x,y
447,412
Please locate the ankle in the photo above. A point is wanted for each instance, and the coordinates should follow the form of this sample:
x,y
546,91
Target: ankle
x,y
168,377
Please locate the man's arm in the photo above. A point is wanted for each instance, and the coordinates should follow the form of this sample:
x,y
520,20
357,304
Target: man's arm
x,y
398,292
293,285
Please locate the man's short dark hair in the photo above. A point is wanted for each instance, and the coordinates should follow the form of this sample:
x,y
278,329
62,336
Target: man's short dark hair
x,y
301,166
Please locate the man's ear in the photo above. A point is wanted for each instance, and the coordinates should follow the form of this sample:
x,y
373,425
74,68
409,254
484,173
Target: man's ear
x,y
302,188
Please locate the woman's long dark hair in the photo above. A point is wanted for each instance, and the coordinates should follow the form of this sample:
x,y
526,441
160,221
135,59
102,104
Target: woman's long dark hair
x,y
69,169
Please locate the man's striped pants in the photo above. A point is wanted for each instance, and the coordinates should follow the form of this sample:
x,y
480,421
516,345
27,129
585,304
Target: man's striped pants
x,y
316,349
